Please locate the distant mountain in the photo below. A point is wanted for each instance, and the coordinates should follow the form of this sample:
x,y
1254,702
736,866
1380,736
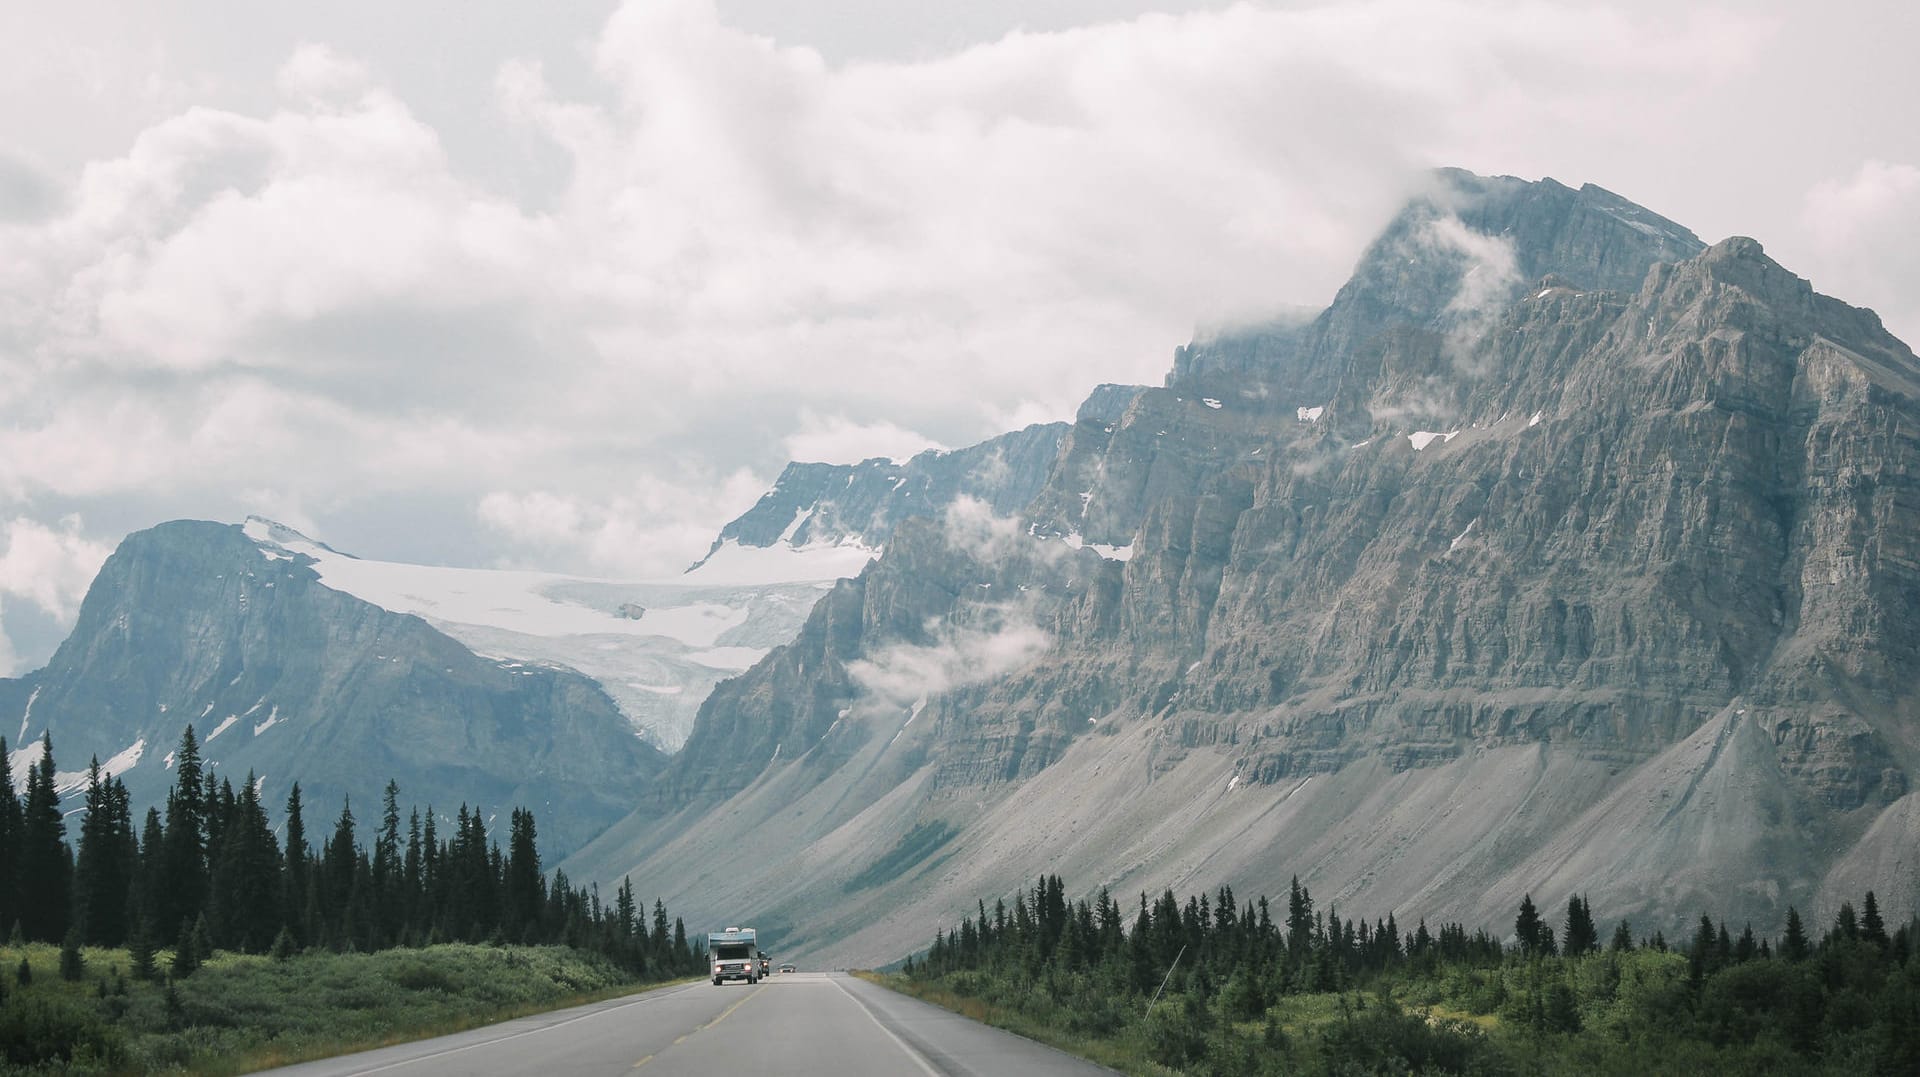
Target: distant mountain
x,y
823,506
656,648
291,680
1561,553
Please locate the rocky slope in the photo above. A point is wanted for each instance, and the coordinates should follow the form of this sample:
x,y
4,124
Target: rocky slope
x,y
286,678
1561,553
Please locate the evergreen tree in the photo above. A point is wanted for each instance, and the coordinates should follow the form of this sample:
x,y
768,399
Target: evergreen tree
x,y
1622,939
72,965
244,908
185,959
140,950
1872,928
1581,935
386,869
523,895
107,862
1846,924
338,860
180,884
294,879
11,823
1526,926
46,867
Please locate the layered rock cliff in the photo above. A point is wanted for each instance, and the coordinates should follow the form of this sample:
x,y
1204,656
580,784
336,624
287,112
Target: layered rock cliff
x,y
1560,553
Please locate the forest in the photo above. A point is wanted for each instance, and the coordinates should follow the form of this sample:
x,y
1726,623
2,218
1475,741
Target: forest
x,y
203,940
210,873
1217,986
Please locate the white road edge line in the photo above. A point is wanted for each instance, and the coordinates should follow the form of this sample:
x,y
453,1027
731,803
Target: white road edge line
x,y
920,1059
648,997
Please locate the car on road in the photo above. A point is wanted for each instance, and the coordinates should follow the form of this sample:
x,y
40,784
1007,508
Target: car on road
x,y
788,968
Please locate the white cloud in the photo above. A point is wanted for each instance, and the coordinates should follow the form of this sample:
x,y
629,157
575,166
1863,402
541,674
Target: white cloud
x,y
900,675
836,439
318,74
312,298
1860,229
50,567
641,533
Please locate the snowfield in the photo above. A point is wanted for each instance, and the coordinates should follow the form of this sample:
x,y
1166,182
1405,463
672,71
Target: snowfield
x,y
656,646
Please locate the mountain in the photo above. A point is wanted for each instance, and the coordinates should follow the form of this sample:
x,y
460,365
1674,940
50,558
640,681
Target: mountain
x,y
291,680
655,647
813,506
1562,553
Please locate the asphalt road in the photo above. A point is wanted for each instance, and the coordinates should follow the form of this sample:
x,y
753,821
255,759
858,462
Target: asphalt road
x,y
792,1023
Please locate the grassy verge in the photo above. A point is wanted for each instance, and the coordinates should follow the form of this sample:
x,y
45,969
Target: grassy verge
x,y
240,1013
1123,1054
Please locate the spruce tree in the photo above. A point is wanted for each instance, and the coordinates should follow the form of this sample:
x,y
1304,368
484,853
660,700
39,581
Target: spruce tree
x,y
294,878
1872,928
140,950
11,822
46,867
1581,935
244,906
1526,926
181,881
1622,939
185,960
72,965
523,895
104,870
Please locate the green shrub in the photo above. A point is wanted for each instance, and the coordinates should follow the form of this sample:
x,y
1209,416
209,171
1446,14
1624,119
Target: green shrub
x,y
37,1029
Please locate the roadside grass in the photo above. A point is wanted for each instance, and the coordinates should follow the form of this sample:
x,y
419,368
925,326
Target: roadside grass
x,y
1293,1035
241,1012
1126,1054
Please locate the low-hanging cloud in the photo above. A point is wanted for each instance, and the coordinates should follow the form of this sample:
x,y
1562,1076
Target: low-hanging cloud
x,y
312,301
901,675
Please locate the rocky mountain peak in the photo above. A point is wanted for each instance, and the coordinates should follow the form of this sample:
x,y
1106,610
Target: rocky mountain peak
x,y
1560,553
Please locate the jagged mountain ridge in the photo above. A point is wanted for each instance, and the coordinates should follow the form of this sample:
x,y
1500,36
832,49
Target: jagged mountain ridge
x,y
193,622
1559,553
815,504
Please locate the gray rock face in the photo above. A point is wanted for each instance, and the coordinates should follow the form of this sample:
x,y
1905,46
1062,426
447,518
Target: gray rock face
x,y
830,504
1561,553
192,623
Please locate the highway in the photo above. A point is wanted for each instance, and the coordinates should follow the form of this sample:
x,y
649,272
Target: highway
x,y
791,1023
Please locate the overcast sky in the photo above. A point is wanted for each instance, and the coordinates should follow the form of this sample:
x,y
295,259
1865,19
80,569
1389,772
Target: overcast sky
x,y
563,285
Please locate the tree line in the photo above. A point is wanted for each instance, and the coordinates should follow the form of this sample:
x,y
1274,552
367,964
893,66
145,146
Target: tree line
x,y
1846,1000
208,872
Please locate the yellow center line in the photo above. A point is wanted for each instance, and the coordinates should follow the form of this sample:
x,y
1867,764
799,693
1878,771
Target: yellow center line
x,y
724,1014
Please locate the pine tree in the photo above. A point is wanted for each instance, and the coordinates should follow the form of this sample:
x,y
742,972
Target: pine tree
x,y
294,878
46,867
1872,928
337,863
108,859
1622,939
72,966
11,824
244,908
140,950
523,895
1526,926
1581,936
386,869
181,883
185,960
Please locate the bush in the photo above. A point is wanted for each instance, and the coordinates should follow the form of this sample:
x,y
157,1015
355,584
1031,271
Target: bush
x,y
1384,1038
1176,1031
36,1030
